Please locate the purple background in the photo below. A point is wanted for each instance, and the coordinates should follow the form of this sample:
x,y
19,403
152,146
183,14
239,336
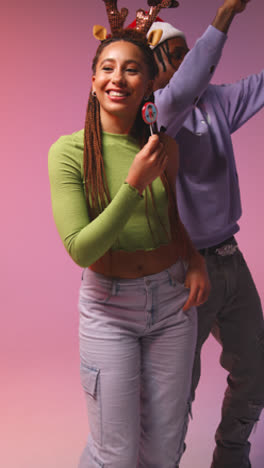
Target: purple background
x,y
45,54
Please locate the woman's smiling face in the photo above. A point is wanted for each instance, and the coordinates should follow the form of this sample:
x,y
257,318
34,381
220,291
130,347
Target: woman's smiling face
x,y
121,81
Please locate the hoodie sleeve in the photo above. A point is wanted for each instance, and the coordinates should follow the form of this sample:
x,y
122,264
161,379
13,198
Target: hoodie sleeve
x,y
242,100
188,83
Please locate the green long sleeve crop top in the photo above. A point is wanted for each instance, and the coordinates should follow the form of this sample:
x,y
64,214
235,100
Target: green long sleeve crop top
x,y
123,225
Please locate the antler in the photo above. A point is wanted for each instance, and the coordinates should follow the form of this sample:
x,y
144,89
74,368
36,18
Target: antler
x,y
116,18
174,3
145,20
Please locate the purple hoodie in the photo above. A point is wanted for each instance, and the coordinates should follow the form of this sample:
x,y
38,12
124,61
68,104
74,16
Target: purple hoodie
x,y
207,186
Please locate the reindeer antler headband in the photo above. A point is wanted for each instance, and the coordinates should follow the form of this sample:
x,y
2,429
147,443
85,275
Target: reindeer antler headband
x,y
144,19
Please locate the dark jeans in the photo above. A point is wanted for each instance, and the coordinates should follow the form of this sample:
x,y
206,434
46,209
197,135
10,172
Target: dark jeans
x,y
233,314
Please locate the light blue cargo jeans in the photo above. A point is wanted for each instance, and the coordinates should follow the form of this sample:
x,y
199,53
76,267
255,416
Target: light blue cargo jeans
x,y
137,349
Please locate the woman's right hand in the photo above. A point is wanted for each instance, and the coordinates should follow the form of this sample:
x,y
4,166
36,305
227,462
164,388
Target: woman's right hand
x,y
148,164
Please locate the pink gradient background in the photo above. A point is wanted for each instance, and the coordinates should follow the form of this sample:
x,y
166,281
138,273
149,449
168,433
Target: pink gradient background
x,y
45,58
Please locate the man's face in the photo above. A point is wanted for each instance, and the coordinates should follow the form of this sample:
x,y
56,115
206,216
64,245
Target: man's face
x,y
169,55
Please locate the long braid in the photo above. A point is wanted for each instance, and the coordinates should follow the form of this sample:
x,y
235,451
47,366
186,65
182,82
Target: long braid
x,y
97,192
178,232
172,205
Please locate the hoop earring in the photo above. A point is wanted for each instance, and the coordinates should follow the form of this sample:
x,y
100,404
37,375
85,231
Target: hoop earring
x,y
93,93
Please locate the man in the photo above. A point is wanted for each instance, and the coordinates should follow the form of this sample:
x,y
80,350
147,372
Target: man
x,y
209,204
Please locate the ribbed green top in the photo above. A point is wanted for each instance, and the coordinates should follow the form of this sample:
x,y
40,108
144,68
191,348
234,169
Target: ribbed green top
x,y
123,225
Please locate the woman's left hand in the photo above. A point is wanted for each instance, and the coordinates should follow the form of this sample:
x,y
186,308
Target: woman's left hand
x,y
197,281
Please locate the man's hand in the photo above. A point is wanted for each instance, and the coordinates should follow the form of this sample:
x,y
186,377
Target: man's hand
x,y
227,12
197,281
236,5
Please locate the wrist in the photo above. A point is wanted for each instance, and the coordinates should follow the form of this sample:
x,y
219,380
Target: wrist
x,y
226,12
224,17
135,185
196,259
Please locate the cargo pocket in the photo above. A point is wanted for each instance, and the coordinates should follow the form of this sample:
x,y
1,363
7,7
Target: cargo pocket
x,y
90,379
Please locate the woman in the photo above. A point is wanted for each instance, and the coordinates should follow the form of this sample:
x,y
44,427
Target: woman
x,y
116,213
